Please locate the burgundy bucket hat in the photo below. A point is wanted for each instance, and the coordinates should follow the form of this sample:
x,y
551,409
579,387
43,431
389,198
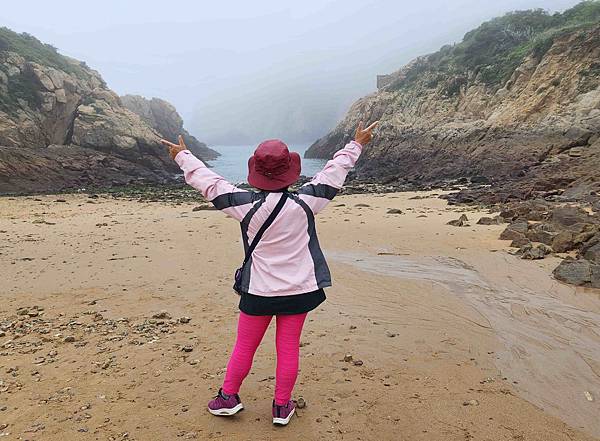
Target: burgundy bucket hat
x,y
273,166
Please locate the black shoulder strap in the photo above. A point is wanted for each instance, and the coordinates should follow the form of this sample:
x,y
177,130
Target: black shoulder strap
x,y
264,227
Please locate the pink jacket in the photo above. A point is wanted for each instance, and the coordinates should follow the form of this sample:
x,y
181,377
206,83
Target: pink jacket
x,y
288,259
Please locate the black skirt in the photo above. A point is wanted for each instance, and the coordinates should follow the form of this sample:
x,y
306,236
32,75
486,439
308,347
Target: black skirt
x,y
297,304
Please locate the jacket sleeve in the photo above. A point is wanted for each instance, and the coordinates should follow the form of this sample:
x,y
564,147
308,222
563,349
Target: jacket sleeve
x,y
216,189
325,185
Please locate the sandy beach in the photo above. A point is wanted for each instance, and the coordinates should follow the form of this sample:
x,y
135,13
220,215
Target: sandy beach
x,y
117,318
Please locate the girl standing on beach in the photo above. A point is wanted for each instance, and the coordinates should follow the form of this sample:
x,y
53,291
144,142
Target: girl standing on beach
x,y
284,270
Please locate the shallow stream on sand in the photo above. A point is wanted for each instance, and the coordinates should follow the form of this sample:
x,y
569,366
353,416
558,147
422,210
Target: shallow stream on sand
x,y
550,337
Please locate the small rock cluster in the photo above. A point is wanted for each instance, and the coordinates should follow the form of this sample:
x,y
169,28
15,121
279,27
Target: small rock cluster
x,y
539,228
35,339
78,330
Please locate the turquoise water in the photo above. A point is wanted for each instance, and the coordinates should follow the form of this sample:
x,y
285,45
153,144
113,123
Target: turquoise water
x,y
233,162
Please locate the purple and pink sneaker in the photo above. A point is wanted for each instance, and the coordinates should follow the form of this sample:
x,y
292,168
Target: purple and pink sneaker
x,y
283,414
225,405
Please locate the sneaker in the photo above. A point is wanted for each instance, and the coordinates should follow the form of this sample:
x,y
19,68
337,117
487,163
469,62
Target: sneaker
x,y
283,414
225,405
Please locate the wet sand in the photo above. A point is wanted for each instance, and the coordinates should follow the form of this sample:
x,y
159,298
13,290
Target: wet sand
x,y
458,339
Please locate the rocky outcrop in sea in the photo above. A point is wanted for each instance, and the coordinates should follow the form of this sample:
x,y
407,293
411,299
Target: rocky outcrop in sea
x,y
163,117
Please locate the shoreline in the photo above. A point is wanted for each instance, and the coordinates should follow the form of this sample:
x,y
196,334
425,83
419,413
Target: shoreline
x,y
469,190
101,268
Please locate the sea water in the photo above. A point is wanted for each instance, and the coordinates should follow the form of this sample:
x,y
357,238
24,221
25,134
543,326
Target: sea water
x,y
233,162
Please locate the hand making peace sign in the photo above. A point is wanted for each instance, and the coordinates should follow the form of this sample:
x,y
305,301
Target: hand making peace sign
x,y
174,148
364,136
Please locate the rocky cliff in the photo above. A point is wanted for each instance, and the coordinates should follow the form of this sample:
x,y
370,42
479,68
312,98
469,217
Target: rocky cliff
x,y
516,103
62,127
163,117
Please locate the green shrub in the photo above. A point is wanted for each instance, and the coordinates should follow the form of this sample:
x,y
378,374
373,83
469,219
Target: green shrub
x,y
585,12
35,51
495,49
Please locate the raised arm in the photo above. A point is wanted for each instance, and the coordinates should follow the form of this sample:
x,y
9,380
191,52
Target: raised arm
x,y
325,184
216,189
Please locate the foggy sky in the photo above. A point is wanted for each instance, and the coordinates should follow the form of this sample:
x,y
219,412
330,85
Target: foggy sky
x,y
241,71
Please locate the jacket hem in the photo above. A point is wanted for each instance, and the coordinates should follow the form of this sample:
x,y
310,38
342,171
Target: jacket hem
x,y
292,292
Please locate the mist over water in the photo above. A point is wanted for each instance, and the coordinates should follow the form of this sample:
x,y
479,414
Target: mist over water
x,y
233,162
240,71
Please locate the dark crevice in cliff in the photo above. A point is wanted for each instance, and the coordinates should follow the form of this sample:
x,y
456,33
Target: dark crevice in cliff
x,y
71,127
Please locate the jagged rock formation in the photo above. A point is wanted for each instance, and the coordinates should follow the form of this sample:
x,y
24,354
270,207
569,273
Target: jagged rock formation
x,y
517,104
163,117
62,127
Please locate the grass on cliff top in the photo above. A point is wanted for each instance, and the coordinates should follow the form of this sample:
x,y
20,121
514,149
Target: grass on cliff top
x,y
33,50
495,49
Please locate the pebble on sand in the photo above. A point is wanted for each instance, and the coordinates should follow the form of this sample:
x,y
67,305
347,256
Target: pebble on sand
x,y
471,403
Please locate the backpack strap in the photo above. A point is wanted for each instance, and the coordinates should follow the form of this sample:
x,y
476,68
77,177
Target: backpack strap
x,y
264,227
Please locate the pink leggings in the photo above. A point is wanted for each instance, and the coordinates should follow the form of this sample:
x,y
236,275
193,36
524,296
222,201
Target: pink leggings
x,y
251,329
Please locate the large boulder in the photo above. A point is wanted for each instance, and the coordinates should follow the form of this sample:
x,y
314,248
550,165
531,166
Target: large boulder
x,y
575,272
541,233
515,230
569,215
593,253
563,242
595,276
